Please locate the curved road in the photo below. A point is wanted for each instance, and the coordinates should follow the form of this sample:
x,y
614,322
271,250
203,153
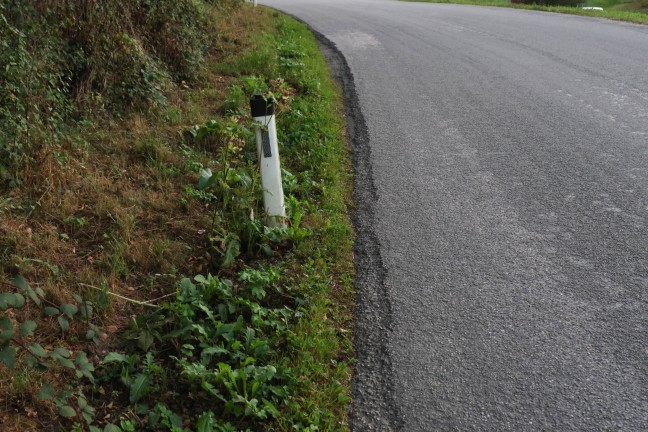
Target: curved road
x,y
503,210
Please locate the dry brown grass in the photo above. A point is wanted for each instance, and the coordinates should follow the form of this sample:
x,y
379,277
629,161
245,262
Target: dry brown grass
x,y
106,211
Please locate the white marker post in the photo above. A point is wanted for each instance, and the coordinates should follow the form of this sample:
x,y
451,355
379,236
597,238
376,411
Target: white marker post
x,y
268,154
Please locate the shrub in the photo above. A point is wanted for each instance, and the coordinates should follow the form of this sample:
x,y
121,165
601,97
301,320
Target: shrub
x,y
34,85
126,51
63,57
177,32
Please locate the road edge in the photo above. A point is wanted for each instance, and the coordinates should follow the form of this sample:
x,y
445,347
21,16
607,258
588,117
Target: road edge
x,y
373,405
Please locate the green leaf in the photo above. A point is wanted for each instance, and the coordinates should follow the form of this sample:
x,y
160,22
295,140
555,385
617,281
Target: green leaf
x,y
84,366
257,291
8,300
115,357
86,310
112,428
64,323
214,350
267,249
205,423
65,394
212,390
46,393
89,409
19,301
206,178
61,352
244,178
170,416
139,387
66,411
232,250
90,334
82,360
21,282
51,311
38,350
145,340
201,279
5,335
87,416
40,292
82,402
69,309
65,362
5,323
270,408
30,360
8,356
27,328
32,295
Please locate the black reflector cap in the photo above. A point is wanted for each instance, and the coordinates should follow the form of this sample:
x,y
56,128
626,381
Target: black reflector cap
x,y
261,106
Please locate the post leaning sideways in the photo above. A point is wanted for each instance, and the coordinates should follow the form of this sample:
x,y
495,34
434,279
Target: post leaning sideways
x,y
268,155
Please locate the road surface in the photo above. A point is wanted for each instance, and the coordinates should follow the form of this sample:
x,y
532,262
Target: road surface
x,y
502,184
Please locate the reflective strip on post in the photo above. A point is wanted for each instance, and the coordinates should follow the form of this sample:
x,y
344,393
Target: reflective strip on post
x,y
268,154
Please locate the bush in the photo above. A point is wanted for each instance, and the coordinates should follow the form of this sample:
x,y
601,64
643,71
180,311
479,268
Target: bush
x,y
64,57
177,32
34,85
129,50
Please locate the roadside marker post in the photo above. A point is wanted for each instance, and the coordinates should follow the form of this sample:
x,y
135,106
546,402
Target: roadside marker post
x,y
268,155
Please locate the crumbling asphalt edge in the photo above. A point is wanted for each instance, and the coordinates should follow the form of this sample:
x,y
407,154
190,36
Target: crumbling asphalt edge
x,y
373,406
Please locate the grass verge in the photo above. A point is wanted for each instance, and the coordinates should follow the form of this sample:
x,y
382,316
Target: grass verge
x,y
637,17
140,288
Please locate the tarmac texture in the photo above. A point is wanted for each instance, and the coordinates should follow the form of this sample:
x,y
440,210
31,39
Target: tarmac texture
x,y
501,162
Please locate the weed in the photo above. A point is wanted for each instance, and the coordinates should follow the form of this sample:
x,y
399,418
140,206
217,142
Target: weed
x,y
16,345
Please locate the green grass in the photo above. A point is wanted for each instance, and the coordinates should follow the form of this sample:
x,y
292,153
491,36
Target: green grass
x,y
313,278
615,10
312,133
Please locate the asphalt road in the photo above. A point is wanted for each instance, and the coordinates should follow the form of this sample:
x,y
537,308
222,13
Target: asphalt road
x,y
502,183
